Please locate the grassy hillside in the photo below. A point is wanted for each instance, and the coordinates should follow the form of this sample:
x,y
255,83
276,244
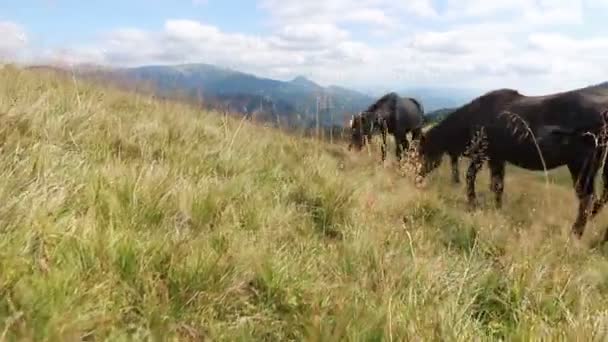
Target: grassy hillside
x,y
295,101
123,218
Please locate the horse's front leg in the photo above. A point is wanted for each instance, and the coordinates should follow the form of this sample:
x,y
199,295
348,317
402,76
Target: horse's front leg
x,y
474,168
416,134
383,147
384,133
583,175
454,166
497,172
584,211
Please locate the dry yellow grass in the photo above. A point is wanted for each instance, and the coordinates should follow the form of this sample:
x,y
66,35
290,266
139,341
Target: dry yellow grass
x,y
124,218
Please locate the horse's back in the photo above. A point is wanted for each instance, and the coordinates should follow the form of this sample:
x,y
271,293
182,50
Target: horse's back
x,y
596,97
410,112
571,107
485,109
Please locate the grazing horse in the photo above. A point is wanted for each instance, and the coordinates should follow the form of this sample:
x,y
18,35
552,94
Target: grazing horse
x,y
390,114
531,132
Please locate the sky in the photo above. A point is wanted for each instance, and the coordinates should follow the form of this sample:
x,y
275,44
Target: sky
x,y
535,46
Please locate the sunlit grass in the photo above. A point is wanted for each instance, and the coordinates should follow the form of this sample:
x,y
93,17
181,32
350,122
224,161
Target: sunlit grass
x,y
125,218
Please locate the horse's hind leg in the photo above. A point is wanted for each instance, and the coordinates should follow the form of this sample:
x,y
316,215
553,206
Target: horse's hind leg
x,y
416,134
497,185
597,207
455,171
401,145
583,176
474,168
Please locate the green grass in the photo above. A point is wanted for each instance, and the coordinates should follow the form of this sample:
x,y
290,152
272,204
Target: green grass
x,y
125,218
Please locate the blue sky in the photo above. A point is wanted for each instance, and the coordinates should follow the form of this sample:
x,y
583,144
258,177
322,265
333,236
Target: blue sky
x,y
60,21
534,45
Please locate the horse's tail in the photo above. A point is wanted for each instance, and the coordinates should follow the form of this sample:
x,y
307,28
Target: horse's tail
x,y
418,104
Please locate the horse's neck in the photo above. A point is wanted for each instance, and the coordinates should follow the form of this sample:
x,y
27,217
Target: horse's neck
x,y
374,107
371,116
438,138
383,105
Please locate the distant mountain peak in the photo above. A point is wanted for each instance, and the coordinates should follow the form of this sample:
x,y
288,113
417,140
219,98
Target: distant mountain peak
x,y
303,81
295,102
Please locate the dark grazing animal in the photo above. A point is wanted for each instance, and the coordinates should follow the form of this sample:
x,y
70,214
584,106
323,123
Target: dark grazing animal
x,y
390,114
532,132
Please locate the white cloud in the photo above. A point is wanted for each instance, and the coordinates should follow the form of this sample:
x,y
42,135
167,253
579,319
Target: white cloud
x,y
380,13
467,56
423,8
461,41
13,42
596,4
309,36
372,16
479,8
565,46
582,59
527,12
555,12
469,43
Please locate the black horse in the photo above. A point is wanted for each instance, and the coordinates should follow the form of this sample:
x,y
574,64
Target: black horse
x,y
532,132
390,114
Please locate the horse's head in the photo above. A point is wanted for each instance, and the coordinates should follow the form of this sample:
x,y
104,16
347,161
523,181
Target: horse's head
x,y
360,128
429,157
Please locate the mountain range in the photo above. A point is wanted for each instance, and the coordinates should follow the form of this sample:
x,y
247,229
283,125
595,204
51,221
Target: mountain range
x,y
299,102
295,102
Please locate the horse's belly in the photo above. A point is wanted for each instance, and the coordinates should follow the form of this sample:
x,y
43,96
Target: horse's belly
x,y
535,157
535,164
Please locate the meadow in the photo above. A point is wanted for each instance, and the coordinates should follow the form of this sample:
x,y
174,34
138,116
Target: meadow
x,y
128,218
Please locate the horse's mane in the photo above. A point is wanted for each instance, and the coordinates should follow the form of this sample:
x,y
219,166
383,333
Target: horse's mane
x,y
501,90
453,118
392,97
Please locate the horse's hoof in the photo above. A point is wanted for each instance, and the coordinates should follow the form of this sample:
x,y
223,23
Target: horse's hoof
x,y
577,233
596,210
471,207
